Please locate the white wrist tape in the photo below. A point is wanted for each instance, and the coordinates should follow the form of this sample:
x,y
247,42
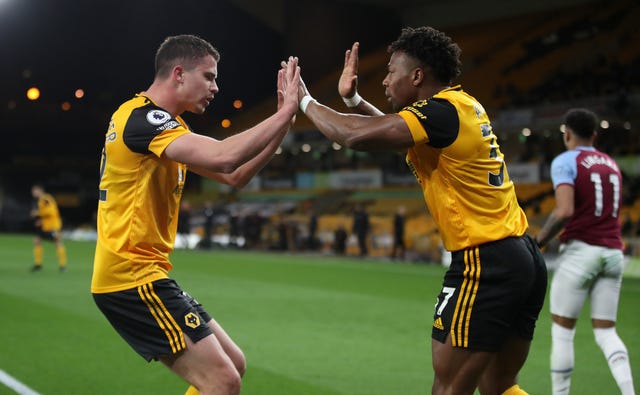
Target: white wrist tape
x,y
305,102
352,101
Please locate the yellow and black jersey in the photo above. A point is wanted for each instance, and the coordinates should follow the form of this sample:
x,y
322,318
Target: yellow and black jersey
x,y
462,173
48,214
140,191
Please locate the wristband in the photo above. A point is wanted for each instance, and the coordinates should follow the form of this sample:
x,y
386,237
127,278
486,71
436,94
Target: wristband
x,y
352,102
305,102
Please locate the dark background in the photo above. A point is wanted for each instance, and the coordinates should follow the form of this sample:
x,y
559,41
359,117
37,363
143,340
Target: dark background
x,y
107,49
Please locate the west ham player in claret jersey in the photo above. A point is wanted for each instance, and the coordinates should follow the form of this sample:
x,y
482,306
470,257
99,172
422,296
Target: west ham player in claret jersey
x,y
588,186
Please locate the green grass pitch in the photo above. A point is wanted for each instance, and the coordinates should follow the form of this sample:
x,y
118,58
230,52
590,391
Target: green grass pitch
x,y
308,326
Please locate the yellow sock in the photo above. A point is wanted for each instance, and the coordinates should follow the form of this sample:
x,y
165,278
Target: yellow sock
x,y
515,390
192,391
62,256
37,255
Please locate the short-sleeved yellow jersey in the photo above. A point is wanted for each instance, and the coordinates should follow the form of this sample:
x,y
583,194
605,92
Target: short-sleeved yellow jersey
x,y
49,214
140,192
461,170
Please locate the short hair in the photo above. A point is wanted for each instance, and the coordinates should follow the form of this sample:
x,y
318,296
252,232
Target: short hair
x,y
183,49
581,121
432,48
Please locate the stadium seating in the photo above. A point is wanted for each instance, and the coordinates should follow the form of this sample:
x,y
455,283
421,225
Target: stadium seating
x,y
526,60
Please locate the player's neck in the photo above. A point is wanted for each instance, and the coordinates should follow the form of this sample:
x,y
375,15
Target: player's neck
x,y
576,144
162,96
433,89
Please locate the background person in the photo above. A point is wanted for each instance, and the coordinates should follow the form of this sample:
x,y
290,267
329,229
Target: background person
x,y
184,224
312,241
588,192
339,244
398,249
360,228
48,224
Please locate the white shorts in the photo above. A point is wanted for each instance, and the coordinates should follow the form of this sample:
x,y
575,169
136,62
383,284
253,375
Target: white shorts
x,y
586,270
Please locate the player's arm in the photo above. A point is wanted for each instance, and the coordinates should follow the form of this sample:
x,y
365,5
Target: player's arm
x,y
559,216
348,84
355,131
361,132
243,174
236,159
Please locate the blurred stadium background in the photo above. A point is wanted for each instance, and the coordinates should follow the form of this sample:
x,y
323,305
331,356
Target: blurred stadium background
x,y
527,62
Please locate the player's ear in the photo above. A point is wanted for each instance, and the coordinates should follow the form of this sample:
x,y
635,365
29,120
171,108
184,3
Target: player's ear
x,y
178,73
418,76
568,134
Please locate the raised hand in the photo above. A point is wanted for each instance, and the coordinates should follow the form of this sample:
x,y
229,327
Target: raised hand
x,y
288,84
302,88
348,83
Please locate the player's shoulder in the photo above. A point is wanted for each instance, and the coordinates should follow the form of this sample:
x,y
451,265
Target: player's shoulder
x,y
566,157
594,156
142,116
434,108
130,105
141,113
139,121
47,199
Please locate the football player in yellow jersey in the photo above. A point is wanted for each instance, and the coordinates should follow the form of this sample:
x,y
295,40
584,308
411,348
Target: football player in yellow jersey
x,y
48,226
148,149
494,289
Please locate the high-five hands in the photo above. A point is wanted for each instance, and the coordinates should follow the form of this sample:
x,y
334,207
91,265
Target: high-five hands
x,y
302,88
288,85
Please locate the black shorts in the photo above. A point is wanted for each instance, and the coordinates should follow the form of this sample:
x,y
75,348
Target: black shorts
x,y
153,318
48,235
491,292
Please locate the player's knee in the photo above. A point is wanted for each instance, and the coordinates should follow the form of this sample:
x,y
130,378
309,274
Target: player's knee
x,y
604,336
609,341
226,380
232,381
240,363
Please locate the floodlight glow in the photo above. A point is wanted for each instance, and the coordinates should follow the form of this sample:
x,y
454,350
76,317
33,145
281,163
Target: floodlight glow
x,y
33,93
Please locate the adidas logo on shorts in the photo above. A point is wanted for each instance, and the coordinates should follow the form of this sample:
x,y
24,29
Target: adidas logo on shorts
x,y
438,324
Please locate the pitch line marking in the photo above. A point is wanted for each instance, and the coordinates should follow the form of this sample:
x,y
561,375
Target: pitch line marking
x,y
15,385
